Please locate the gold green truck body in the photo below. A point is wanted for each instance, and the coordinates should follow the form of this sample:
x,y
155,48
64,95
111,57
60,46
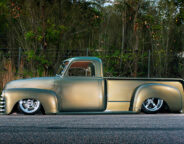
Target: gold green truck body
x,y
92,94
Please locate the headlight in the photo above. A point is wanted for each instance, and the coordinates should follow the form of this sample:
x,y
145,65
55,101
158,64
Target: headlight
x,y
3,93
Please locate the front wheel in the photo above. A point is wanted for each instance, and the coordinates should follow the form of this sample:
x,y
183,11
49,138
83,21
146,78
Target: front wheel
x,y
29,106
152,105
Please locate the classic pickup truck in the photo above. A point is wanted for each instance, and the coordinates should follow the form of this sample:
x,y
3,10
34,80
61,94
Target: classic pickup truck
x,y
81,88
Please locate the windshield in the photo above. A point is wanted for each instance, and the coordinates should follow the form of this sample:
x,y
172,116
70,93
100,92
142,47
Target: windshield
x,y
62,67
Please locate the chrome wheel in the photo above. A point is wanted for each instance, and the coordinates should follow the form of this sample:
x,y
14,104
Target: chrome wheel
x,y
29,106
152,105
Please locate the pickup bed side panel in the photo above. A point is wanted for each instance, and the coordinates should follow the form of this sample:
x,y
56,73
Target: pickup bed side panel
x,y
121,93
47,98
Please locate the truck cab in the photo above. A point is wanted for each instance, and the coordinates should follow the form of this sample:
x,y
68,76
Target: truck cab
x,y
82,85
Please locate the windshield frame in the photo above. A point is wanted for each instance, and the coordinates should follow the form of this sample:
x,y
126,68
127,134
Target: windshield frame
x,y
64,67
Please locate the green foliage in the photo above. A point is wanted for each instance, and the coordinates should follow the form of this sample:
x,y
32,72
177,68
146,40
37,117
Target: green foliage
x,y
53,34
39,38
30,54
3,4
41,60
29,35
120,34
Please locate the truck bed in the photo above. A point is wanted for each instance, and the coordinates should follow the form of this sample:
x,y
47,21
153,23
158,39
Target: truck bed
x,y
120,90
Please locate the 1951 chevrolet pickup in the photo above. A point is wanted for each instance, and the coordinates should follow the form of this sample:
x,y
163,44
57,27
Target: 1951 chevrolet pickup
x,y
81,88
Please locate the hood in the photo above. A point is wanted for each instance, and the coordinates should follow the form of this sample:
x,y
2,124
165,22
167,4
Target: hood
x,y
40,83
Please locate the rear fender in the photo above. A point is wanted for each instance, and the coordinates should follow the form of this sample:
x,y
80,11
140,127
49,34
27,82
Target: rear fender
x,y
171,95
47,98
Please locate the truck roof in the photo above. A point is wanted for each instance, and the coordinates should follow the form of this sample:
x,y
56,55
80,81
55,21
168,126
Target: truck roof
x,y
84,58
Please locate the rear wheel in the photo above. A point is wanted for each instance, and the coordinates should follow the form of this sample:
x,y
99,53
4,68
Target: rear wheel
x,y
29,106
152,105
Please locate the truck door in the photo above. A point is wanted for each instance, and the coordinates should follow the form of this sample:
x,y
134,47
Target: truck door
x,y
81,90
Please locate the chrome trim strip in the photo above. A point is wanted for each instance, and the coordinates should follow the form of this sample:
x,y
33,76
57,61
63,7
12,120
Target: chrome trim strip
x,y
2,98
118,101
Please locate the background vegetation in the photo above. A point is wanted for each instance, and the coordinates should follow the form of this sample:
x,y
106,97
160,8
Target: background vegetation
x,y
135,38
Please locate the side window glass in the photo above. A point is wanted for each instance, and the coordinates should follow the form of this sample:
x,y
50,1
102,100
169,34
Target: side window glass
x,y
82,68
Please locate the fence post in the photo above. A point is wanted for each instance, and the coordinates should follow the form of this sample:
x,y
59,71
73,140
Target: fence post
x,y
87,52
149,64
19,58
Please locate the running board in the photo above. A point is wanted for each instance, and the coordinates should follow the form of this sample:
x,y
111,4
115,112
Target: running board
x,y
93,113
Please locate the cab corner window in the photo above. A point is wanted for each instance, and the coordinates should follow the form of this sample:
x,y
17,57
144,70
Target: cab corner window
x,y
82,68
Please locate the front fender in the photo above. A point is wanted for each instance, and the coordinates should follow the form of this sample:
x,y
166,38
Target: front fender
x,y
171,95
47,98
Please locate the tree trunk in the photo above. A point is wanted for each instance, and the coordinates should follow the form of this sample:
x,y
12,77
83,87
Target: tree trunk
x,y
123,36
135,47
136,35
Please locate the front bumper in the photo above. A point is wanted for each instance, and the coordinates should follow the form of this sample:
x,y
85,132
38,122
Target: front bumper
x,y
2,105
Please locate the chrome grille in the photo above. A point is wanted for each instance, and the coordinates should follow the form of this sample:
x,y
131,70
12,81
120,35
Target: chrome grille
x,y
2,105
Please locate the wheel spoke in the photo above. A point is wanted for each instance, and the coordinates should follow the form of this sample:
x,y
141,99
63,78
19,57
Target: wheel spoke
x,y
147,105
153,104
27,108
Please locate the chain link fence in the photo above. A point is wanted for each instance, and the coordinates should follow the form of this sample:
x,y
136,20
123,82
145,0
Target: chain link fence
x,y
17,63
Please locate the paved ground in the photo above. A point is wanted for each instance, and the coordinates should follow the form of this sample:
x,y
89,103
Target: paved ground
x,y
53,129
